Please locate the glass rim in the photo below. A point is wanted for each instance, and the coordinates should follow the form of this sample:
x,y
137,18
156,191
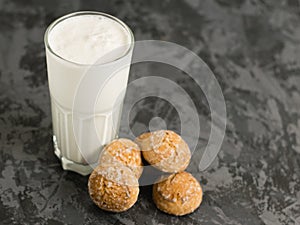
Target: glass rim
x,y
79,13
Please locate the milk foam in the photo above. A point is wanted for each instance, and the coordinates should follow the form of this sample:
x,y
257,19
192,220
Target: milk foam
x,y
87,39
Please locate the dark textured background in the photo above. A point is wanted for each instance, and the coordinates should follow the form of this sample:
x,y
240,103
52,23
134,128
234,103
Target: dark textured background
x,y
253,47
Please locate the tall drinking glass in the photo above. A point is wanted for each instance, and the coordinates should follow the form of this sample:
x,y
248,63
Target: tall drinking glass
x,y
86,98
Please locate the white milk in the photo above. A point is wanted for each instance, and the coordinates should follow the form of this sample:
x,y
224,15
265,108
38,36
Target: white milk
x,y
86,105
84,39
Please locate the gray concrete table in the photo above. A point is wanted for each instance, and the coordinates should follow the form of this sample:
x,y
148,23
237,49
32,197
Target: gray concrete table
x,y
252,46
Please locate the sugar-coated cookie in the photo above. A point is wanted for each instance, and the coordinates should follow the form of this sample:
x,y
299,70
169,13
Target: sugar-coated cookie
x,y
113,188
123,151
179,194
165,150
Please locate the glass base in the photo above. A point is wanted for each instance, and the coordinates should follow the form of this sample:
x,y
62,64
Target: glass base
x,y
70,165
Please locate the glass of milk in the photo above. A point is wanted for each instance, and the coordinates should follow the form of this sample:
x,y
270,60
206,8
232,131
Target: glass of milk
x,y
88,59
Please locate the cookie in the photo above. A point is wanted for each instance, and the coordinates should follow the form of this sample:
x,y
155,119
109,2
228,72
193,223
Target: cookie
x,y
123,151
179,194
165,150
113,188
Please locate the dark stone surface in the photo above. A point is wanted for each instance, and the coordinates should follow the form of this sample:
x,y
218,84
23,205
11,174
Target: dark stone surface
x,y
253,47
